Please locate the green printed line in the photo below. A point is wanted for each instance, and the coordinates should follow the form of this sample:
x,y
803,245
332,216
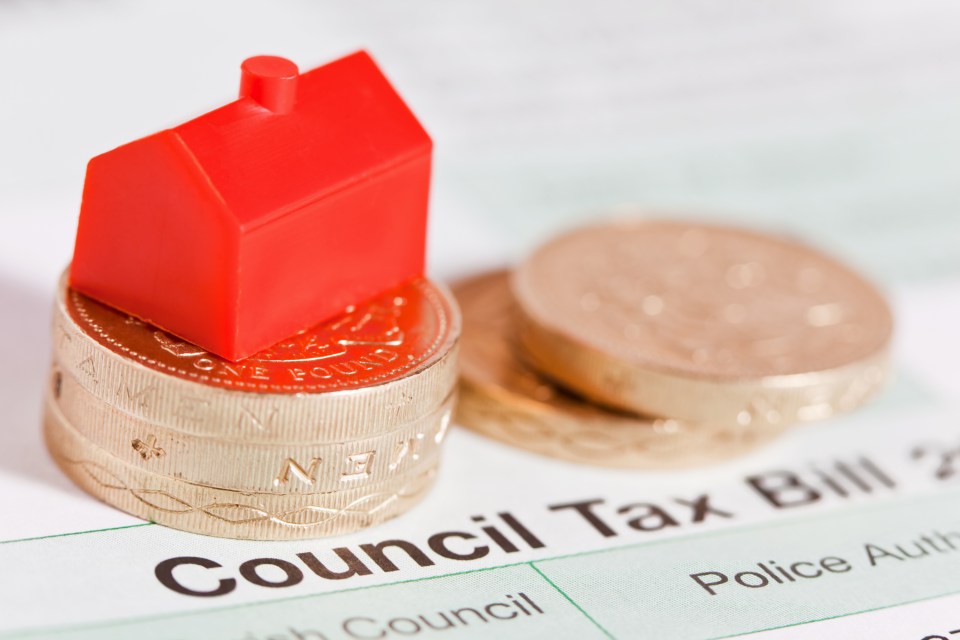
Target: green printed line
x,y
571,601
822,515
241,605
784,521
23,633
262,603
77,533
828,515
836,617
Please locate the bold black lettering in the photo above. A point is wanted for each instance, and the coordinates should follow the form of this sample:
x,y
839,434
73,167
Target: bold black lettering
x,y
164,573
701,508
354,566
376,553
877,472
853,477
774,484
502,541
438,543
522,531
584,509
653,519
249,571
831,483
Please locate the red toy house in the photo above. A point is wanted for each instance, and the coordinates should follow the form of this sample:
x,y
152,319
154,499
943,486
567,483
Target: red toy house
x,y
265,216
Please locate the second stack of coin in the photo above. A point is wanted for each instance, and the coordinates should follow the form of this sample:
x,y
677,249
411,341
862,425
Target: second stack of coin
x,y
656,343
336,429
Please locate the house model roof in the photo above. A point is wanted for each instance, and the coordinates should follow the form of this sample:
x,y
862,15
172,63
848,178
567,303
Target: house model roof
x,y
345,124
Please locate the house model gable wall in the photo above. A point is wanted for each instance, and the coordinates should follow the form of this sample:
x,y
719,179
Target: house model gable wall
x,y
159,244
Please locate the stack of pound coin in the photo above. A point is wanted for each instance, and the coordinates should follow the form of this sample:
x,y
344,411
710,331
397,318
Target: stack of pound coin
x,y
338,428
649,343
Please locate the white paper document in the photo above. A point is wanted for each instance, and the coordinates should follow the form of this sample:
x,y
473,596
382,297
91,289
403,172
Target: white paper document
x,y
837,123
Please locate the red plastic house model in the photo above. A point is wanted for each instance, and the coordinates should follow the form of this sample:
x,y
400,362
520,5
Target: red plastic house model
x,y
263,217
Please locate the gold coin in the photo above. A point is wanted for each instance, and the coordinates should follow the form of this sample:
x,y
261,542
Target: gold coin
x,y
702,323
246,463
502,398
380,340
353,377
226,513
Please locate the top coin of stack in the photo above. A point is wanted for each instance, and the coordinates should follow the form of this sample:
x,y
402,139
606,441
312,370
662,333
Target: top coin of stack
x,y
704,328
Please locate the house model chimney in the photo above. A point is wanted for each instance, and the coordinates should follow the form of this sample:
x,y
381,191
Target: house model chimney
x,y
271,81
